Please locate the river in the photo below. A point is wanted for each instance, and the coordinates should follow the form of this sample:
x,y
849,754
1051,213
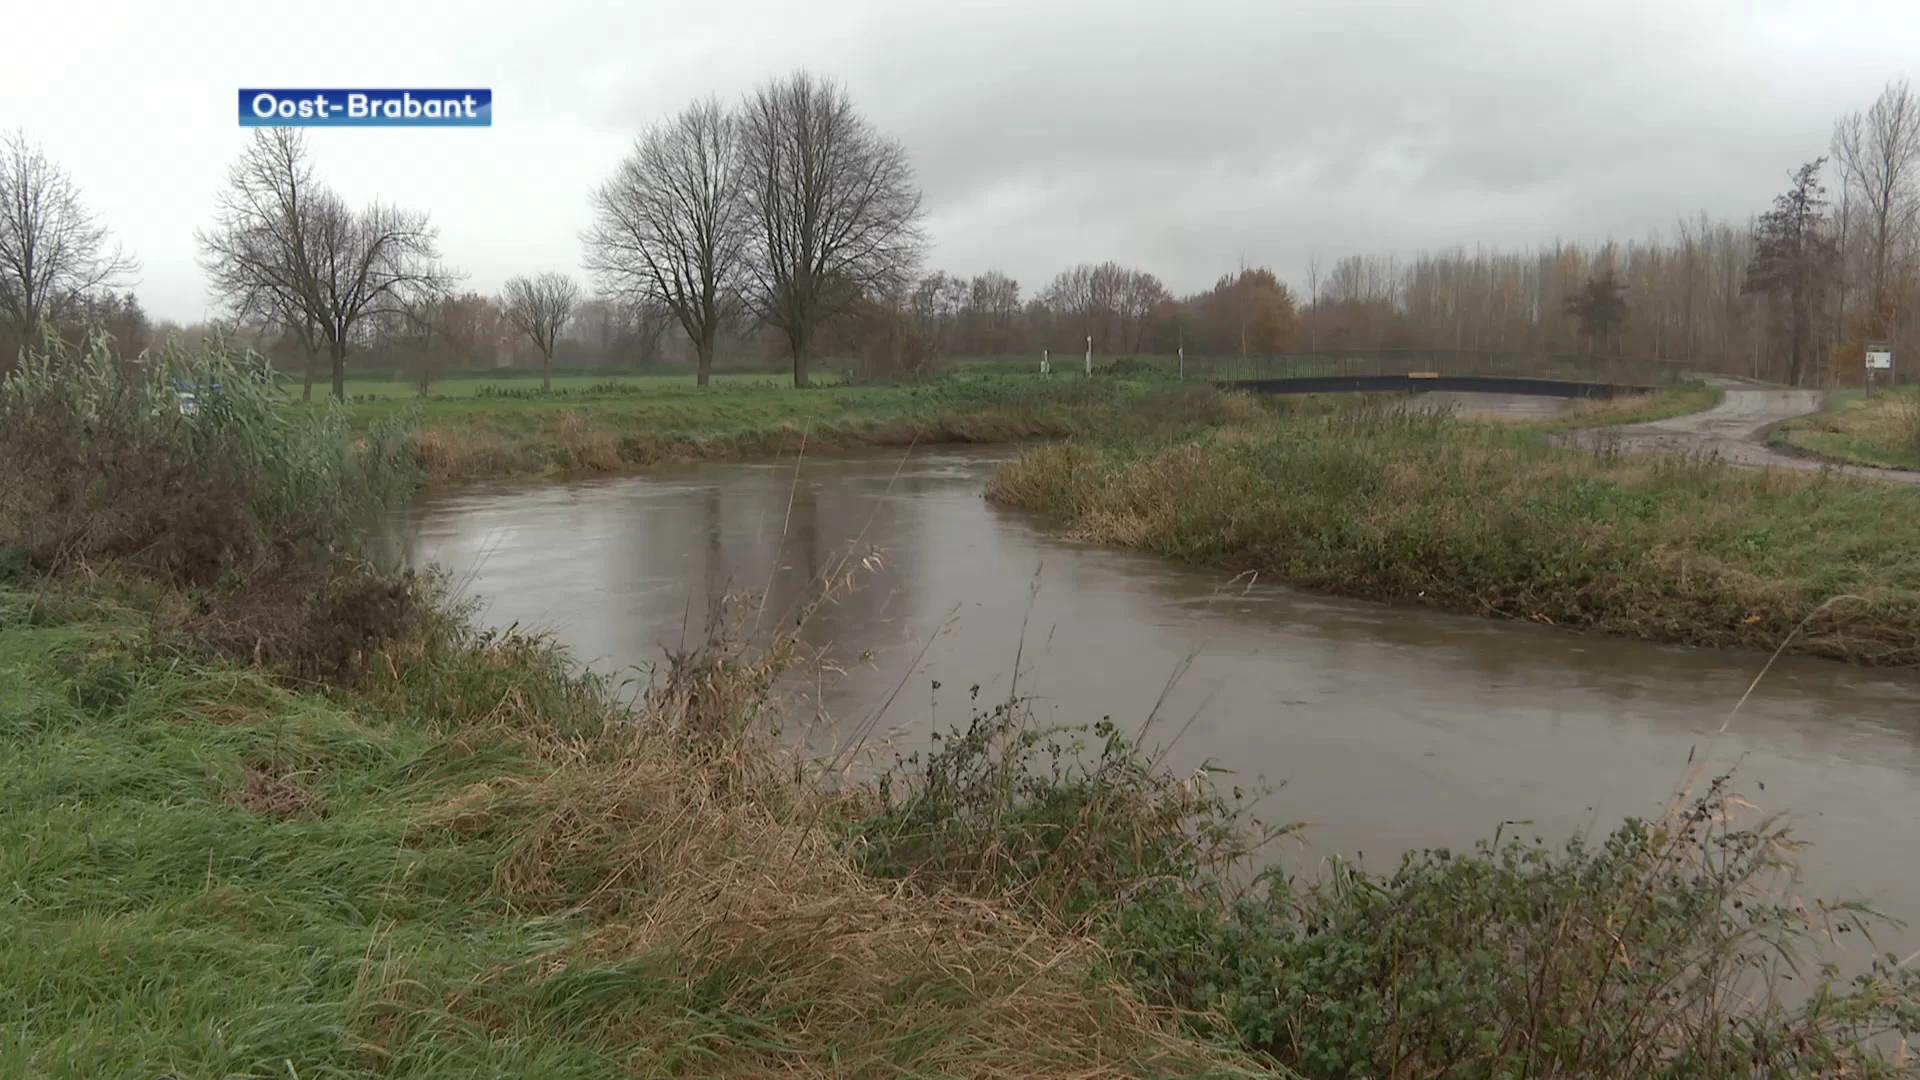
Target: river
x,y
1384,728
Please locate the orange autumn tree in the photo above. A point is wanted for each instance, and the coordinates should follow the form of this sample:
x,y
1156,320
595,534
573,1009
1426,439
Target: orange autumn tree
x,y
1247,314
1889,318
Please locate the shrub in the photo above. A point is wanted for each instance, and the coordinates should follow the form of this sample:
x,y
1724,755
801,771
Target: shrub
x,y
261,508
1661,950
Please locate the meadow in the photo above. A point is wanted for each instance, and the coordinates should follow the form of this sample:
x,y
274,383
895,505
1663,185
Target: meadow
x,y
1882,430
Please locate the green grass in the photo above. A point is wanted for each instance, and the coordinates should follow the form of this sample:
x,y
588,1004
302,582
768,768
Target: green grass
x,y
482,427
465,869
154,925
1475,518
1664,403
493,436
1881,431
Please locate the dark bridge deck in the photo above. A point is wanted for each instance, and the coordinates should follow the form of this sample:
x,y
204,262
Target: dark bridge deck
x,y
1415,383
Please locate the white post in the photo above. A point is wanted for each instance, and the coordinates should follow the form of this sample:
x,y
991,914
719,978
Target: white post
x,y
1089,356
1043,361
1183,363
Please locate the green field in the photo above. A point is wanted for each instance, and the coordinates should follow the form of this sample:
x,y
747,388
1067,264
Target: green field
x,y
1881,431
488,427
512,432
1666,402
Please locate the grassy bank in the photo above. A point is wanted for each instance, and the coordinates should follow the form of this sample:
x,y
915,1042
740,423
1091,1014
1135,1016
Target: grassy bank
x,y
1381,504
276,814
501,430
1881,431
609,429
1665,403
466,862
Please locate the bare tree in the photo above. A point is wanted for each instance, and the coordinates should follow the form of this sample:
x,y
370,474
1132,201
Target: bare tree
x,y
1879,154
833,206
540,307
994,300
52,253
670,228
1313,300
285,248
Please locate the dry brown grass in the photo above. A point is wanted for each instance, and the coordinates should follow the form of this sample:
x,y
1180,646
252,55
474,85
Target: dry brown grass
x,y
694,842
265,791
592,450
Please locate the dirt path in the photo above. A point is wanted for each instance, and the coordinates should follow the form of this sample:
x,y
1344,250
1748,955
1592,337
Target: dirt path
x,y
1735,430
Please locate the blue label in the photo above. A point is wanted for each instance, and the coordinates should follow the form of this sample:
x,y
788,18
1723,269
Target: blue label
x,y
366,108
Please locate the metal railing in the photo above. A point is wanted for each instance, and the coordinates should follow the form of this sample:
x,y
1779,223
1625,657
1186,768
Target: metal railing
x,y
1622,371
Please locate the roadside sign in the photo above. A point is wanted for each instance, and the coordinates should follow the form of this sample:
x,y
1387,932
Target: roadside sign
x,y
1879,360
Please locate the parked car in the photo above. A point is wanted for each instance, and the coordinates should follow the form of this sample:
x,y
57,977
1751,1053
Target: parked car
x,y
191,394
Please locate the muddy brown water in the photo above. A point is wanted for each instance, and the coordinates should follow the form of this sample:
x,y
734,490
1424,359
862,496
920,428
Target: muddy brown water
x,y
1385,728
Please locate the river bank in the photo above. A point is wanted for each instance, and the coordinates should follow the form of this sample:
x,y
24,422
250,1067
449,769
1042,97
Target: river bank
x,y
279,813
1388,505
516,432
284,813
525,434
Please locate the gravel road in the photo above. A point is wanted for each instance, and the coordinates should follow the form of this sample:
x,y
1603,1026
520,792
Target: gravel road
x,y
1735,430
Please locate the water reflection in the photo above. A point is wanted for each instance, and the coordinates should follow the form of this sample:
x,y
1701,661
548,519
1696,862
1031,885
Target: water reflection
x,y
1387,728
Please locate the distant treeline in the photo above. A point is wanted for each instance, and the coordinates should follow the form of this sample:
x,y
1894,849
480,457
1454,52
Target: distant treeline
x,y
1795,293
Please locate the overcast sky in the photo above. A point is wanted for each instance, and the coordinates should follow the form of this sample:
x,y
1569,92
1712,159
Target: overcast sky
x,y
1182,137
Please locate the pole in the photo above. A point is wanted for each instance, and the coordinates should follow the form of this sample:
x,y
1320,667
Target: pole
x,y
1043,361
1183,363
1089,356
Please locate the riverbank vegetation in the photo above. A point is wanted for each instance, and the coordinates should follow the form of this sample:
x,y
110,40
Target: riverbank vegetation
x,y
1882,431
512,429
1665,403
1384,503
278,813
610,428
332,828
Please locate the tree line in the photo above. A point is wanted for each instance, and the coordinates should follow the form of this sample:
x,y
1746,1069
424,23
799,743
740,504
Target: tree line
x,y
785,225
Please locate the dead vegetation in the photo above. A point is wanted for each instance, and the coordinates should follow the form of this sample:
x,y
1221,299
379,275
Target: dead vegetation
x,y
692,843
265,791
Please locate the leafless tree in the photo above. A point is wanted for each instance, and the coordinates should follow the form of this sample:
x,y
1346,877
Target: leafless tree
x,y
1136,295
1879,155
1313,300
286,248
671,229
834,209
540,307
994,306
52,252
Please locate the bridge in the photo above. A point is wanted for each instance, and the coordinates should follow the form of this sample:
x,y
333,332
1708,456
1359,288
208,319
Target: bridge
x,y
1441,370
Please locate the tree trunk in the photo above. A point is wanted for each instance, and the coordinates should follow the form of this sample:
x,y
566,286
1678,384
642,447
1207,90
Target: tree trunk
x,y
546,372
338,350
703,360
313,358
801,347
